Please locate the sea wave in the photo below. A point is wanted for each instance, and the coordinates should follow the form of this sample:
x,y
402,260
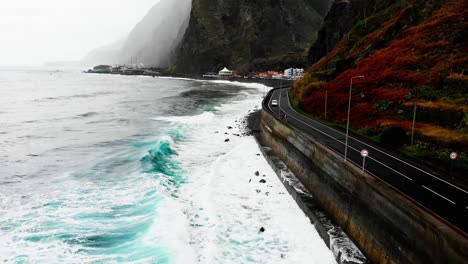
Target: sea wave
x,y
69,97
159,160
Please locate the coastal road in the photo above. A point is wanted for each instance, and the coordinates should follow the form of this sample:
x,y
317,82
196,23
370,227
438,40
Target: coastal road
x,y
434,193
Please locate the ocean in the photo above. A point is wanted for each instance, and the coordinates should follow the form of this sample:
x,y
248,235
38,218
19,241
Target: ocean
x,y
111,169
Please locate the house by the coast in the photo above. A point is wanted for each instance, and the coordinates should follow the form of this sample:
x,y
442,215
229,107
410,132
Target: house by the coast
x,y
293,73
226,73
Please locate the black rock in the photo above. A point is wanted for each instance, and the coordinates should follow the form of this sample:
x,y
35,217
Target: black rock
x,y
226,140
229,127
262,229
262,181
257,173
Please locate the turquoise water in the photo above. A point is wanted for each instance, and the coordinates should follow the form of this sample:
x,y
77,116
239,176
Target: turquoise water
x,y
124,169
85,168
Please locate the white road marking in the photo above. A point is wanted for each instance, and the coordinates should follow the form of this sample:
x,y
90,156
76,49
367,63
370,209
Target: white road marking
x,y
438,194
402,161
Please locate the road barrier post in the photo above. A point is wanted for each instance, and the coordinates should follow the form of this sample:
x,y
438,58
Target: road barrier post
x,y
364,154
453,157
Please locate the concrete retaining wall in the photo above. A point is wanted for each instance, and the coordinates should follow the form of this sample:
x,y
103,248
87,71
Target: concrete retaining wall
x,y
387,227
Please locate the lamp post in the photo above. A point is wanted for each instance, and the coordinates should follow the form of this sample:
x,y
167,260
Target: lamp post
x,y
279,102
349,112
326,102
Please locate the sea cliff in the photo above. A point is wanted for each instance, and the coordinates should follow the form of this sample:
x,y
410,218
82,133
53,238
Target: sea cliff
x,y
249,35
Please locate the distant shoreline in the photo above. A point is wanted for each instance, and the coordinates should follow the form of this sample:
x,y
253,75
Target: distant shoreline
x,y
275,83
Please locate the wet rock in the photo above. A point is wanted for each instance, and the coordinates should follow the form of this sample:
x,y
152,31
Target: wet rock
x,y
267,193
258,191
257,173
250,180
229,127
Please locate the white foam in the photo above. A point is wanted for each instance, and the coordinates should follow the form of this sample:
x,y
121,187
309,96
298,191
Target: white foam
x,y
255,85
172,226
205,117
258,86
224,208
177,78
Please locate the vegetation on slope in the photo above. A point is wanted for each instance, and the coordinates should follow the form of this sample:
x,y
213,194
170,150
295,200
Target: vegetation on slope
x,y
411,53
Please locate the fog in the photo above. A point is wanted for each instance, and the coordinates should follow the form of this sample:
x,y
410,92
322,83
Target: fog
x,y
154,39
34,32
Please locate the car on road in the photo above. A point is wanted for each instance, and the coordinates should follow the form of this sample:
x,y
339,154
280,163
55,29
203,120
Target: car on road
x,y
274,102
210,75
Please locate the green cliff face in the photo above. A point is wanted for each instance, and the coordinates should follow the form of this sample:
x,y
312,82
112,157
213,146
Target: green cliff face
x,y
248,35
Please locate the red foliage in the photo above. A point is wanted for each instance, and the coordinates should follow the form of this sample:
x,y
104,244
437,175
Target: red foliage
x,y
423,56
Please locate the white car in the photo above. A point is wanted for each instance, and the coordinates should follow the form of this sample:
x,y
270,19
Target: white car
x,y
274,102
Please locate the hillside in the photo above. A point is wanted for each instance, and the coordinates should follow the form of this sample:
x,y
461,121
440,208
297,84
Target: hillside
x,y
411,53
249,35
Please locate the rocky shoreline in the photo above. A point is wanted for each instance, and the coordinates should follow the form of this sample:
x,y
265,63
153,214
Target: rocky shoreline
x,y
343,248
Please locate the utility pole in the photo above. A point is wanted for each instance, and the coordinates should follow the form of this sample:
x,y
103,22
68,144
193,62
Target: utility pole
x,y
414,123
326,101
279,102
349,113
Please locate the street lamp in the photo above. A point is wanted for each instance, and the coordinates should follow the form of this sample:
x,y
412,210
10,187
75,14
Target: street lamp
x,y
349,112
326,102
279,102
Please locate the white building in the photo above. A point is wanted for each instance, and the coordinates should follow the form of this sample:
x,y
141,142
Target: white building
x,y
225,72
293,73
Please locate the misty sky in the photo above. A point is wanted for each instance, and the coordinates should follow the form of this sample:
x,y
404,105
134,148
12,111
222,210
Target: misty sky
x,y
33,32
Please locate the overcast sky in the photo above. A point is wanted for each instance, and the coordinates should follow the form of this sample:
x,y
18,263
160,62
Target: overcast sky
x,y
33,32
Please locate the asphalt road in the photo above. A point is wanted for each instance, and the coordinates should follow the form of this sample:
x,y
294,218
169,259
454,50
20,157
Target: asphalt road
x,y
430,191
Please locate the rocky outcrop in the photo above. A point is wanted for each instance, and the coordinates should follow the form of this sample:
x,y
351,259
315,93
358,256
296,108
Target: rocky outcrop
x,y
242,34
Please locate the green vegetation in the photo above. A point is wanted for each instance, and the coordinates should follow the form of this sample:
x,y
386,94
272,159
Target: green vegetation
x,y
393,137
